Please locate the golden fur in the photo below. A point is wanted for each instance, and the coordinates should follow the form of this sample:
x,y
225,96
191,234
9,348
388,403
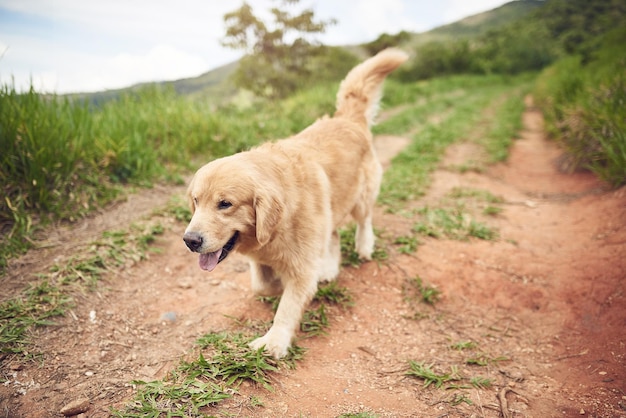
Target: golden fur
x,y
281,203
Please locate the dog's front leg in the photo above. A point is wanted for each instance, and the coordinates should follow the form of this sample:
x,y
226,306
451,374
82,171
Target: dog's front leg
x,y
295,298
264,281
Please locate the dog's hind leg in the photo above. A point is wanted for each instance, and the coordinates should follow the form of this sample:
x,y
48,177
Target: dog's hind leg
x,y
329,264
264,281
364,239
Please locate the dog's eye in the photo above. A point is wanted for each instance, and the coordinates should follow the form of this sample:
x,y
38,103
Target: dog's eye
x,y
195,201
224,204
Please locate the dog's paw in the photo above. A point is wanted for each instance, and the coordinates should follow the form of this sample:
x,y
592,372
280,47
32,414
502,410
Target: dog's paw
x,y
276,345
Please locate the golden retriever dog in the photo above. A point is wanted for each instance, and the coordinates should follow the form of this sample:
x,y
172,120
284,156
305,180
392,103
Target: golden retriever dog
x,y
281,203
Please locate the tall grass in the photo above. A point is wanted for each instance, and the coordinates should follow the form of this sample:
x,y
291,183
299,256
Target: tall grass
x,y
584,101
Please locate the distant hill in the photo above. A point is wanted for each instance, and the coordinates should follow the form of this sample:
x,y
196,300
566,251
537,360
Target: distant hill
x,y
478,24
215,84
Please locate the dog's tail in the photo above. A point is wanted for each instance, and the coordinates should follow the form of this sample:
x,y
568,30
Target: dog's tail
x,y
361,90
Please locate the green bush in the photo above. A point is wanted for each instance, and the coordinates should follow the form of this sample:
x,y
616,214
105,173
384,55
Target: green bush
x,y
584,101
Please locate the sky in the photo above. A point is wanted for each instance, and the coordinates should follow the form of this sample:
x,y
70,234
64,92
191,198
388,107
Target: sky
x,y
66,46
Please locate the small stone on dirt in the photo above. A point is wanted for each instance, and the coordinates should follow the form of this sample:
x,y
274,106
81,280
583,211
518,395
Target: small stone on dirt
x,y
168,317
75,407
185,283
15,366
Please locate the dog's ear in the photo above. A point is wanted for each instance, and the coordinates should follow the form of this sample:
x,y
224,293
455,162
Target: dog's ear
x,y
190,201
268,211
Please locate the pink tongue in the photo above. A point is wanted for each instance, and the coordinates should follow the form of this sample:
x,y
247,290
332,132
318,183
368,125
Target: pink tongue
x,y
208,261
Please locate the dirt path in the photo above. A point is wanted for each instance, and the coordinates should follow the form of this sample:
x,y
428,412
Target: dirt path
x,y
547,299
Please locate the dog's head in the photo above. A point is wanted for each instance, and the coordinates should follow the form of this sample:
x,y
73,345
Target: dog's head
x,y
232,209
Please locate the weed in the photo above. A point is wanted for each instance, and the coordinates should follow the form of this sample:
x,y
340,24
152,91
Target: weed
x,y
459,398
406,244
425,372
484,360
232,360
492,210
178,209
463,345
314,322
36,307
452,223
334,294
273,301
481,231
481,382
415,288
255,401
476,194
50,296
172,398
224,363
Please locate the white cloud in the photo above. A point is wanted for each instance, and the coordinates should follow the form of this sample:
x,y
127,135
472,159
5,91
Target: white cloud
x,y
162,62
378,17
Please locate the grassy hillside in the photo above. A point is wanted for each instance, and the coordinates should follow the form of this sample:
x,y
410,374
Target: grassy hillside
x,y
478,24
212,85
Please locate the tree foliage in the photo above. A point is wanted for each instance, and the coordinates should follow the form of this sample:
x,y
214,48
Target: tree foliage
x,y
386,40
281,56
557,28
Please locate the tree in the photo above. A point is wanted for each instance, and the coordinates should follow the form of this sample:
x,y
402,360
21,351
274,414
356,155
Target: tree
x,y
386,40
279,56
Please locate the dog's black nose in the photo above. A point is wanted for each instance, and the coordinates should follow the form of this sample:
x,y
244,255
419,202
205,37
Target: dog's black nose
x,y
193,240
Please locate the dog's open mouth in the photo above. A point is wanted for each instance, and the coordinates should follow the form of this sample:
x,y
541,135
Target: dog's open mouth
x,y
208,261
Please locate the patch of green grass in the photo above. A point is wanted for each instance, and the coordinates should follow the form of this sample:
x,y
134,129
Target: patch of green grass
x,y
451,381
463,345
314,322
334,294
492,210
183,398
504,126
415,289
50,296
178,208
224,362
482,359
475,194
480,382
406,244
273,301
452,223
231,361
36,307
358,415
459,398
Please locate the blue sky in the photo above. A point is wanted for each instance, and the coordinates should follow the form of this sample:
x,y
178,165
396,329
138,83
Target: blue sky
x,y
92,45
